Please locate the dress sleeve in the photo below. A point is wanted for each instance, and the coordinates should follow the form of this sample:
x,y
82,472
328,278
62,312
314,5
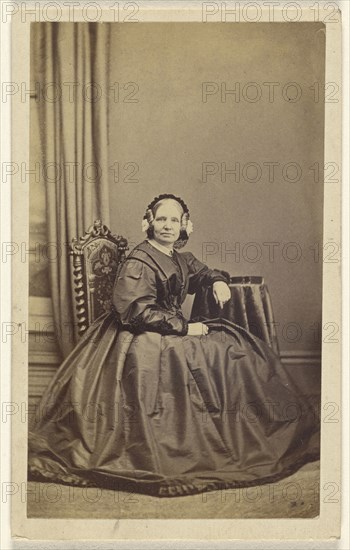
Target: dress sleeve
x,y
200,275
135,302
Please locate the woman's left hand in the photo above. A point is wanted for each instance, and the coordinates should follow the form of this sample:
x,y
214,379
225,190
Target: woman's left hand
x,y
222,293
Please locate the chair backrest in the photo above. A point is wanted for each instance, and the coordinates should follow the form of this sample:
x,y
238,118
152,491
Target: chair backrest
x,y
95,258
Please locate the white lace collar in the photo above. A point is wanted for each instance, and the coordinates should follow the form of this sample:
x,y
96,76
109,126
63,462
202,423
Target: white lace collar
x,y
160,247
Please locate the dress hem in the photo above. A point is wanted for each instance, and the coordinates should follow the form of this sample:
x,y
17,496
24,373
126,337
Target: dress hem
x,y
162,488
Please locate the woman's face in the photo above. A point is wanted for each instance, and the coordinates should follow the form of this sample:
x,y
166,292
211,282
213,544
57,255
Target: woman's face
x,y
167,223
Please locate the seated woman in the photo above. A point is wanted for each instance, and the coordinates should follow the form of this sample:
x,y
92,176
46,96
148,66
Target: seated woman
x,y
153,403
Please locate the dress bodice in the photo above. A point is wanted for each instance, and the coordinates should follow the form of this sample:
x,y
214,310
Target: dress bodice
x,y
176,280
151,286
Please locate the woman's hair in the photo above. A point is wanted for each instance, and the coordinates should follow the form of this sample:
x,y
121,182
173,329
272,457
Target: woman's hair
x,y
185,216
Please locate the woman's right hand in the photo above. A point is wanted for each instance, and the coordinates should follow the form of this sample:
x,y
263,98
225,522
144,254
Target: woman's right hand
x,y
197,329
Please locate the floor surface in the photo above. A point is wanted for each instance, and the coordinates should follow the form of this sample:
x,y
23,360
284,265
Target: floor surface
x,y
296,496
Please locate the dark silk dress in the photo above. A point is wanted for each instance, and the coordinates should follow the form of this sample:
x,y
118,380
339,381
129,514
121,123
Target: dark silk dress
x,y
140,405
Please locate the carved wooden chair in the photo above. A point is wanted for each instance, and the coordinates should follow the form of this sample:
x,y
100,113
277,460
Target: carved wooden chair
x,y
95,258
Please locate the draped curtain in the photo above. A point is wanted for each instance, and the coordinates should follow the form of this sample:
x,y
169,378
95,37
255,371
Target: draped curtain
x,y
70,70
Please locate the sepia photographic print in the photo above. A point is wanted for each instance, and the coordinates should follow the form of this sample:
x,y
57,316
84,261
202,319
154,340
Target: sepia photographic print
x,y
176,272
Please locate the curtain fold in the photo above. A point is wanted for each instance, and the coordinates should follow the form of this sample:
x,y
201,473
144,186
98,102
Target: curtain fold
x,y
70,64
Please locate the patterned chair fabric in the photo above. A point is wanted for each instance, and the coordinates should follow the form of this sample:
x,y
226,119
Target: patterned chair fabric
x,y
95,259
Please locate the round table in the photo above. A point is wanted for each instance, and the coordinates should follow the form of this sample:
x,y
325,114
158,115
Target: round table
x,y
249,307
